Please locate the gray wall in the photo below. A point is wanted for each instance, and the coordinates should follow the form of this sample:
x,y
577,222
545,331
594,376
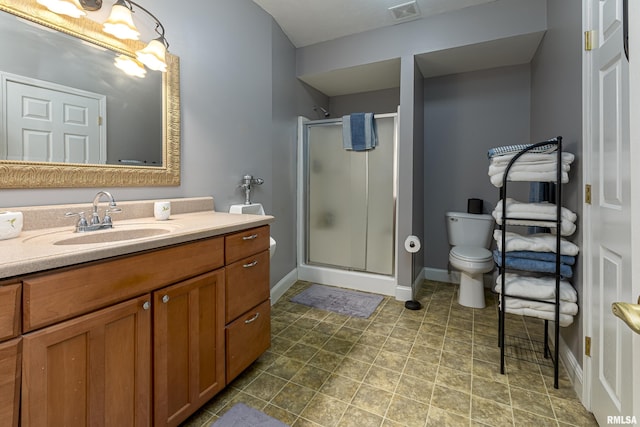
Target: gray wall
x,y
556,109
379,101
283,155
231,123
419,208
465,115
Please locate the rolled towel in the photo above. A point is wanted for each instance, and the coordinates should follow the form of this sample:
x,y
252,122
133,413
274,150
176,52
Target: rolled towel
x,y
542,242
565,319
543,288
532,265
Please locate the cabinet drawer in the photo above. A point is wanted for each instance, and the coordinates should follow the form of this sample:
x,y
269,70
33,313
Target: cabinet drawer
x,y
50,298
247,338
245,243
247,284
10,311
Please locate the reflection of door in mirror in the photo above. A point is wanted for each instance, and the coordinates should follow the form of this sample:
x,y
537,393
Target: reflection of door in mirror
x,y
134,106
52,122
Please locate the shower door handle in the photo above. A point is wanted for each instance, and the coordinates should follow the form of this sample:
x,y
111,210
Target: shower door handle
x,y
625,27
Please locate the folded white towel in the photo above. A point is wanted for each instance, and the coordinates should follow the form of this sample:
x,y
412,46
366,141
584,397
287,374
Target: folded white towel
x,y
526,167
540,211
496,180
540,242
543,288
570,308
565,319
567,158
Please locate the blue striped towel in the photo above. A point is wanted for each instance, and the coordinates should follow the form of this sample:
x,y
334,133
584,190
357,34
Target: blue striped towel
x,y
514,149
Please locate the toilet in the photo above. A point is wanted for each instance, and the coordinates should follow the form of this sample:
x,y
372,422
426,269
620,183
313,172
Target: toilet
x,y
254,209
470,238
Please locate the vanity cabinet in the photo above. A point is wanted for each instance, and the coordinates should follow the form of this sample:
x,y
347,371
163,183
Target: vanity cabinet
x,y
248,329
188,335
140,340
10,353
92,370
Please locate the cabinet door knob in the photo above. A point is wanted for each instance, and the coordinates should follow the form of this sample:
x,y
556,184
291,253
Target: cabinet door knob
x,y
251,264
253,319
165,299
253,236
146,305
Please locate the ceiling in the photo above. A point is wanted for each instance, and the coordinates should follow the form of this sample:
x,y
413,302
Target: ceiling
x,y
307,22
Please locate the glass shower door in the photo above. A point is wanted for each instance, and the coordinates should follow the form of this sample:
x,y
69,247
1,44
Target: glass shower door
x,y
350,200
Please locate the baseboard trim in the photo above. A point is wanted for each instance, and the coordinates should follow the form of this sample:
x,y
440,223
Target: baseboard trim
x,y
283,285
568,359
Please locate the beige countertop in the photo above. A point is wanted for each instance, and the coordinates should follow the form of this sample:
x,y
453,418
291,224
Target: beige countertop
x,y
36,249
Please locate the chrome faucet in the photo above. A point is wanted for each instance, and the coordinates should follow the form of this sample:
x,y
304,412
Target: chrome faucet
x,y
247,182
95,223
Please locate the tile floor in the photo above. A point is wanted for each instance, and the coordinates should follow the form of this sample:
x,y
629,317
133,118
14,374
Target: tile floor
x,y
438,366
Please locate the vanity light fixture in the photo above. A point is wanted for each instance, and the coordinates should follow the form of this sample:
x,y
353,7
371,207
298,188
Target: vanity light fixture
x,y
71,8
120,24
130,66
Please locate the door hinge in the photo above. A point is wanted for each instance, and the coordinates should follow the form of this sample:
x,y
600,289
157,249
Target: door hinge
x,y
588,40
587,194
99,120
587,346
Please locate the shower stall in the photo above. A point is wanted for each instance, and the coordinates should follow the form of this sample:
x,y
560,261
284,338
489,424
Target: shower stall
x,y
347,205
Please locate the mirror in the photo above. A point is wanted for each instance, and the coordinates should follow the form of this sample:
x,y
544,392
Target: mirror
x,y
139,118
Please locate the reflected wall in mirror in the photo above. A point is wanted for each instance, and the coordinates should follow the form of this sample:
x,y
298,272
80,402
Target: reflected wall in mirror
x,y
136,122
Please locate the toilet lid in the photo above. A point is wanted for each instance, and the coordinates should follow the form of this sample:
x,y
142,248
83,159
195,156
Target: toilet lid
x,y
471,253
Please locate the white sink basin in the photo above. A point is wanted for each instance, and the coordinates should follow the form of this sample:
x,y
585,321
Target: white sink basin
x,y
111,236
118,233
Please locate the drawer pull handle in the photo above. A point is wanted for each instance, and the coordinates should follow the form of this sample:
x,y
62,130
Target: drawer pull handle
x,y
146,305
253,319
253,236
251,264
165,299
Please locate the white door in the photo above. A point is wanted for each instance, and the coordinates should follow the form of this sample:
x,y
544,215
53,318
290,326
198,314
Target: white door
x,y
634,132
52,124
608,227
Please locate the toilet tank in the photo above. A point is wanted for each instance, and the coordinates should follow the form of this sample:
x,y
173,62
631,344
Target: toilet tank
x,y
469,229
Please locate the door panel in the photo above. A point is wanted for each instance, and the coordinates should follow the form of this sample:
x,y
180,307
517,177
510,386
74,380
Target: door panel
x,y
53,124
610,215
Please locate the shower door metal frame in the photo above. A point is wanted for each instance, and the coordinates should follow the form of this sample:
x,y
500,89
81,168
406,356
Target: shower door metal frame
x,y
306,190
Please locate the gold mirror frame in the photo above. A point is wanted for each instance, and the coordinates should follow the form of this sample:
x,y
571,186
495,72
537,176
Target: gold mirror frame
x,y
14,174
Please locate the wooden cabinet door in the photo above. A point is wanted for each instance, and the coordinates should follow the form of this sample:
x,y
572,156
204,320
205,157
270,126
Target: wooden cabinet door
x,y
188,346
94,370
10,370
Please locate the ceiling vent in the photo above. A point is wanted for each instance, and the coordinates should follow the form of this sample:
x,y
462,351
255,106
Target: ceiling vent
x,y
405,11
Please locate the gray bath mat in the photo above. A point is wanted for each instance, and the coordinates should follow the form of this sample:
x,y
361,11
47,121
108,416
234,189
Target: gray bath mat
x,y
343,301
242,415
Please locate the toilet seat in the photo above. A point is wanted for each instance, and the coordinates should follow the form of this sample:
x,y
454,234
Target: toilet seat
x,y
471,254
